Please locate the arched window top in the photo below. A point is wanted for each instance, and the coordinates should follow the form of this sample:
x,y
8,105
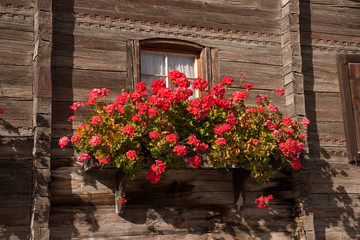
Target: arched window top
x,y
170,45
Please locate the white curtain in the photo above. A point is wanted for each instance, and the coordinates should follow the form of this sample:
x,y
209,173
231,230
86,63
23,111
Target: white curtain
x,y
182,63
153,63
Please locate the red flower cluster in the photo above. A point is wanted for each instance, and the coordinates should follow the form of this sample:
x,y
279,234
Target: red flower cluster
x,y
180,150
248,86
199,146
306,122
122,98
221,128
273,108
239,96
95,94
180,94
153,135
287,121
199,84
155,171
95,120
153,112
63,141
1,111
76,105
195,161
231,119
200,108
218,91
136,118
193,140
172,137
82,157
131,154
178,79
280,91
263,201
288,130
103,160
290,147
271,126
157,85
75,138
227,81
129,130
94,141
250,110
295,163
220,141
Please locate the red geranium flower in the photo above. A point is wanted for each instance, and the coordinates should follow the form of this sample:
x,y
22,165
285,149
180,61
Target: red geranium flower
x,y
195,161
220,141
218,91
131,154
264,201
280,91
153,135
248,86
76,105
200,84
172,137
306,122
180,150
227,81
129,130
94,141
63,141
95,120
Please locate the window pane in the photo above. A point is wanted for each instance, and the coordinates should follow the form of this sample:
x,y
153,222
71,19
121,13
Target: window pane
x,y
153,63
182,63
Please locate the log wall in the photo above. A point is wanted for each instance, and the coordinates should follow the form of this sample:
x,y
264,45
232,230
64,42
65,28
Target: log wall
x,y
47,65
328,29
16,135
90,51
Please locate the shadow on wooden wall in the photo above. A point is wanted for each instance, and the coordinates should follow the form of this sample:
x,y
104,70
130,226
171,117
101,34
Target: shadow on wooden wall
x,y
327,180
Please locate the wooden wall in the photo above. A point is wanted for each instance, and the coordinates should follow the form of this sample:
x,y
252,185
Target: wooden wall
x,y
89,40
16,140
292,44
327,29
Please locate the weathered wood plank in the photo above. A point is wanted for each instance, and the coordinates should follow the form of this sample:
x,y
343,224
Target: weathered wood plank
x,y
250,55
102,63
15,146
334,178
83,42
18,24
70,84
179,188
15,58
138,221
15,233
207,15
262,76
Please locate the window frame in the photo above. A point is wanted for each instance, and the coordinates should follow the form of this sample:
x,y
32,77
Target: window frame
x,y
343,61
207,58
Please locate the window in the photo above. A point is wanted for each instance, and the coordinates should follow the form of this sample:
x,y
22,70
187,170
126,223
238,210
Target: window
x,y
151,59
157,65
349,79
